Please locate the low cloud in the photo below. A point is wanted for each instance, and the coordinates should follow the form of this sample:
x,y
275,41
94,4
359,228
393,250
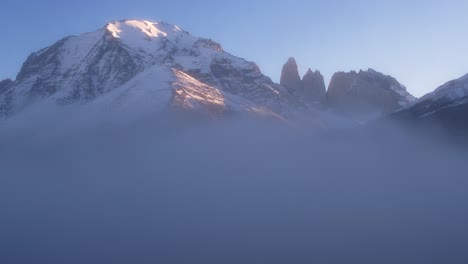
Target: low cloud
x,y
231,192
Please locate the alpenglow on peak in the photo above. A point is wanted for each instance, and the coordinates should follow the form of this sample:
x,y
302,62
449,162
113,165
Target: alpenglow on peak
x,y
149,36
149,28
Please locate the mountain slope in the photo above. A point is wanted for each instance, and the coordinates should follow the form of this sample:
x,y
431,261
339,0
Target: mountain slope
x,y
81,69
4,85
446,106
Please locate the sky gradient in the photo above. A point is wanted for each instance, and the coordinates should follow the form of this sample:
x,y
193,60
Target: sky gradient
x,y
421,43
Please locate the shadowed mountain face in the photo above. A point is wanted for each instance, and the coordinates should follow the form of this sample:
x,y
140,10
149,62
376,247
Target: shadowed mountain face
x,y
107,65
4,85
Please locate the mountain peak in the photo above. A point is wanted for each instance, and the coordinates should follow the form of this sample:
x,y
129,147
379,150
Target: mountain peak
x,y
291,61
148,28
148,36
290,75
311,87
310,72
314,89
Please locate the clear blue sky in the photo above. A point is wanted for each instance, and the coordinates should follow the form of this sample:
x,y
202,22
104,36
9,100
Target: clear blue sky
x,y
421,43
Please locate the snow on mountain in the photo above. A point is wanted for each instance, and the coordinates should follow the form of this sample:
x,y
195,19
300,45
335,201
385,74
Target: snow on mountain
x,y
160,88
148,93
147,37
144,64
447,100
452,90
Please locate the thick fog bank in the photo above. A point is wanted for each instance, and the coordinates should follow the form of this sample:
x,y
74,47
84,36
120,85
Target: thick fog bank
x,y
234,192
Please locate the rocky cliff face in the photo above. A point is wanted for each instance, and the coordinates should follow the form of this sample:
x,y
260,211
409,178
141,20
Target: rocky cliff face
x,y
311,87
290,76
314,89
366,93
358,95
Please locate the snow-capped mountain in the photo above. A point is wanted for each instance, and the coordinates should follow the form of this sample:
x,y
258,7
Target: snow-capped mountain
x,y
147,65
366,93
447,105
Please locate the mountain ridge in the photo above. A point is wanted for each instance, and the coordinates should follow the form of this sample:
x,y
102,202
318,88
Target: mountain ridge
x,y
362,95
125,62
446,106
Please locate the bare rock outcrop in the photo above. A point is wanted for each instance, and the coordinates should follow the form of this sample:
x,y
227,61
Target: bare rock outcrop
x,y
314,89
311,88
290,76
365,94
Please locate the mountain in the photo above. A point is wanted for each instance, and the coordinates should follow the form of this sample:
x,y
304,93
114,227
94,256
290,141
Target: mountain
x,y
151,66
365,94
446,106
311,87
355,95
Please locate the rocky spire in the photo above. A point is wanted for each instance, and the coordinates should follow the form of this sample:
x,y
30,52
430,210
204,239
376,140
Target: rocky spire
x,y
311,88
314,89
290,76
